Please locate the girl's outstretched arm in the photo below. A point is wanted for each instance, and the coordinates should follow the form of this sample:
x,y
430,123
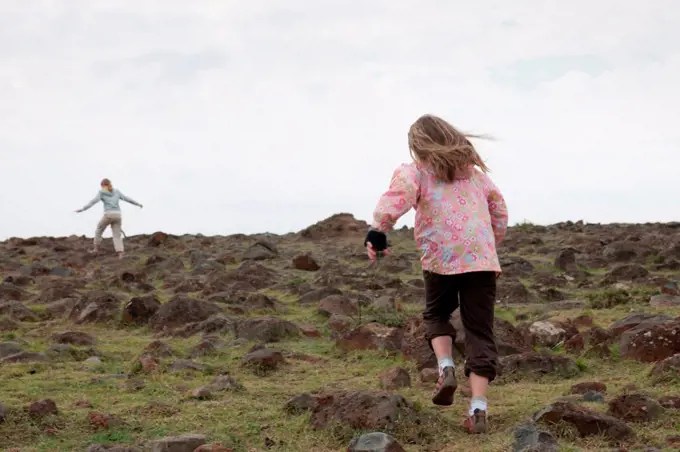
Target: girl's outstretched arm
x,y
128,199
401,197
94,201
498,210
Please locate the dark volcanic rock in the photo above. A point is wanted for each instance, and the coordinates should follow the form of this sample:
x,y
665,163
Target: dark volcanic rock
x,y
180,311
586,422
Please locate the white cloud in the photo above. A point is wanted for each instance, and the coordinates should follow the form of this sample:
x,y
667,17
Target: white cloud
x,y
255,115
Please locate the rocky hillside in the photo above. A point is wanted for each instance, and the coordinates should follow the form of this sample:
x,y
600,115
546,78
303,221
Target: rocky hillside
x,y
296,343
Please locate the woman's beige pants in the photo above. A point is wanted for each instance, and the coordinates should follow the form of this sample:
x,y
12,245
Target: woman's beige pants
x,y
115,220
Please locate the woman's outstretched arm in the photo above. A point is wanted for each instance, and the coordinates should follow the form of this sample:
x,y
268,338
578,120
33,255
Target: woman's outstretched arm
x,y
128,199
94,201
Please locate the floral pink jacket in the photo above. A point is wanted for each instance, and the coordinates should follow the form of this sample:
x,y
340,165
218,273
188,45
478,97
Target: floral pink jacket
x,y
458,225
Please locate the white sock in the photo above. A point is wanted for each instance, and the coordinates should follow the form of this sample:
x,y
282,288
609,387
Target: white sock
x,y
477,403
446,362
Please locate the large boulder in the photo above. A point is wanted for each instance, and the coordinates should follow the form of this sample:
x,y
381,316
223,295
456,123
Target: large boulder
x,y
96,306
586,422
180,311
653,343
266,329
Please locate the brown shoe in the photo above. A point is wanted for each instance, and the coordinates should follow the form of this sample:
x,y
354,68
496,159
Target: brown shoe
x,y
476,423
445,388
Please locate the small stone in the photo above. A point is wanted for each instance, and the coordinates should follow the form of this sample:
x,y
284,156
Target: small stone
x,y
184,443
309,330
372,336
340,324
111,448
395,378
429,375
635,408
93,361
669,368
587,422
204,348
532,363
384,303
264,360
575,344
593,396
305,262
546,333
202,393
672,402
375,442
214,448
670,288
73,338
101,420
182,365
83,404
665,301
583,320
588,386
148,363
529,439
42,408
61,272
24,357
139,310
337,305
301,403
225,383
9,349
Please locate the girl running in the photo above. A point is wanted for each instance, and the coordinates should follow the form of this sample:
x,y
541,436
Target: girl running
x,y
461,217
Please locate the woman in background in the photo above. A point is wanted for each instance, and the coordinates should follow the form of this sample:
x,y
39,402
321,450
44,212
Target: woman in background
x,y
110,197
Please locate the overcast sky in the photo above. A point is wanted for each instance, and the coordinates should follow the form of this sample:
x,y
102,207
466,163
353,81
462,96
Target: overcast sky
x,y
263,115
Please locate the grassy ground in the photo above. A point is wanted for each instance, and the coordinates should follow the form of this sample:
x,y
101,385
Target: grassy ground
x,y
243,420
250,420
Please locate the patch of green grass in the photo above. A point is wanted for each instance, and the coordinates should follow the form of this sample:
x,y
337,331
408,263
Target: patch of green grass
x,y
297,280
524,225
546,267
112,437
581,364
506,313
594,271
608,298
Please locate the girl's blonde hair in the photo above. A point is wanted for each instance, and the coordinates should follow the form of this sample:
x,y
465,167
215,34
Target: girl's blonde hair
x,y
106,182
445,150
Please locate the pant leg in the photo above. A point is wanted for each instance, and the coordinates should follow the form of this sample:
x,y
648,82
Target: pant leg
x,y
101,226
117,230
477,301
441,299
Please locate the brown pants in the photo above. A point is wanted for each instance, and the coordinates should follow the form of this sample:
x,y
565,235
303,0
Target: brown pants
x,y
475,292
115,220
